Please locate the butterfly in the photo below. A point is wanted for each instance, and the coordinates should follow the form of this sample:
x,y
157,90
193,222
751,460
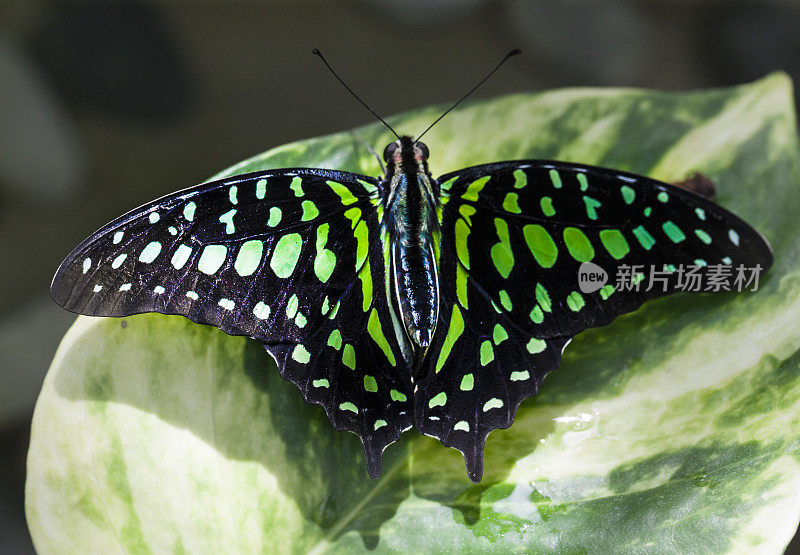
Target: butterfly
x,y
407,300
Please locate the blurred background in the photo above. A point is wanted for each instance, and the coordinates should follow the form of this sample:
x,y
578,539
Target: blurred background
x,y
106,105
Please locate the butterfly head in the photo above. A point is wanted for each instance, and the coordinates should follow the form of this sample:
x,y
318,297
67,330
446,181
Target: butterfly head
x,y
407,156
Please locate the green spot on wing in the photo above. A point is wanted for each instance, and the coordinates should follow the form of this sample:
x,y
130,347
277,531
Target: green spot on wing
x,y
474,189
297,186
575,301
454,331
181,256
349,357
501,253
121,258
615,243
493,403
362,243
467,382
584,184
291,306
376,333
438,400
520,179
370,187
249,257
309,211
643,236
703,236
578,244
461,286
505,300
349,406
520,375
487,353
499,334
365,275
370,384
261,310
541,245
511,203
301,354
467,211
188,211
227,219
447,185
672,231
536,345
543,297
344,193
212,258
286,254
546,204
462,250
321,383
275,216
555,179
591,205
606,291
150,252
325,259
335,340
628,194
397,396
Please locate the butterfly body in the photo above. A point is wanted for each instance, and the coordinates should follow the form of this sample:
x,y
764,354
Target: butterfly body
x,y
412,207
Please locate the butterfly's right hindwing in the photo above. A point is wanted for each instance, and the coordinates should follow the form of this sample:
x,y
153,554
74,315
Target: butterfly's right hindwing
x,y
290,257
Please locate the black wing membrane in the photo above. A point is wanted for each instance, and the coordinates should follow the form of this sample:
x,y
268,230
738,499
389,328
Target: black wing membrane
x,y
290,257
514,236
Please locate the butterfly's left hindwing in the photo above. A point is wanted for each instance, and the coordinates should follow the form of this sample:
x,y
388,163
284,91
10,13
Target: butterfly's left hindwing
x,y
514,236
290,257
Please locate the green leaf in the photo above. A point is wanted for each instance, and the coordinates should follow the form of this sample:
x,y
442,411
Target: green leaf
x,y
676,428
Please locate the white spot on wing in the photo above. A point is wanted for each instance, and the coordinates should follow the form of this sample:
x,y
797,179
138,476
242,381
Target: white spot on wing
x,y
118,261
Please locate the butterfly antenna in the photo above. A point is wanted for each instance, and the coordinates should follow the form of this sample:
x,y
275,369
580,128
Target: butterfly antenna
x,y
472,90
316,52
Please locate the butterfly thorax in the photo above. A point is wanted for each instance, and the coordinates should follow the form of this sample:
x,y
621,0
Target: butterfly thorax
x,y
413,229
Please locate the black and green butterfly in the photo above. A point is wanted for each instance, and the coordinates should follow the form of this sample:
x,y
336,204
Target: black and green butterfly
x,y
405,301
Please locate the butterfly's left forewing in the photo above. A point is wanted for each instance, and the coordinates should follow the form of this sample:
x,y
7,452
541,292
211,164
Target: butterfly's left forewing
x,y
514,236
290,257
